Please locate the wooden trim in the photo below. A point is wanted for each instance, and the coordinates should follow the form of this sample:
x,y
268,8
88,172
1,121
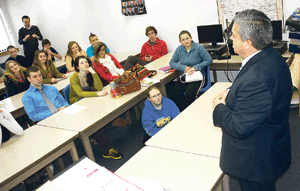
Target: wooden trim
x,y
6,53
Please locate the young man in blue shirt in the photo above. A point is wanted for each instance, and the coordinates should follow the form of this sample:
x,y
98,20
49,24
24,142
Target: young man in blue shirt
x,y
90,51
41,101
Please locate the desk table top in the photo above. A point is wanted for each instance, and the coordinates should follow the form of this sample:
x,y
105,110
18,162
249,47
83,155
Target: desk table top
x,y
192,131
20,153
176,170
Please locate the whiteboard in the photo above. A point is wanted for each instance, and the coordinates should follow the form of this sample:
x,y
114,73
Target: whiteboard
x,y
227,8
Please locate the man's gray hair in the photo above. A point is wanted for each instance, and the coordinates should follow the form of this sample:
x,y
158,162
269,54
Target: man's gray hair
x,y
255,26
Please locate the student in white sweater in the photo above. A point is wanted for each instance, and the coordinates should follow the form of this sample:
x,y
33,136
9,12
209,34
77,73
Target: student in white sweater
x,y
8,123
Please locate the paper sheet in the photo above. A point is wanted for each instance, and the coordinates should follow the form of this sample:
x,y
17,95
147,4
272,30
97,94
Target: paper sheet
x,y
146,185
73,109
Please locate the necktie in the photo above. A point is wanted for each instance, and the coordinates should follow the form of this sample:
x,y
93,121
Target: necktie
x,y
50,105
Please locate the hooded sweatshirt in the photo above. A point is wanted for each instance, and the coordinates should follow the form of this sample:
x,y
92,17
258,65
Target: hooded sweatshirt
x,y
154,120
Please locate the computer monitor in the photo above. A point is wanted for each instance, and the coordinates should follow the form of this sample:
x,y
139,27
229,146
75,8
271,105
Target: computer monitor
x,y
277,30
210,34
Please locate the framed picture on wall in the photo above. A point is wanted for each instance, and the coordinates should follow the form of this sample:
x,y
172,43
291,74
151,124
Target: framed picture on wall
x,y
134,7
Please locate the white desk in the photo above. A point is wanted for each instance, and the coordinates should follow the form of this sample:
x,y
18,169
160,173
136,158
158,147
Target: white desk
x,y
122,56
23,156
59,63
177,170
192,131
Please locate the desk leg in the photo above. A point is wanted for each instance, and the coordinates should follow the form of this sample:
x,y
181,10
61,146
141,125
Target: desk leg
x,y
163,89
226,183
215,76
73,152
137,112
49,173
129,117
61,163
87,147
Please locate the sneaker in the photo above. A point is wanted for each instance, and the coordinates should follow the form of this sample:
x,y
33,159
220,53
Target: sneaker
x,y
113,153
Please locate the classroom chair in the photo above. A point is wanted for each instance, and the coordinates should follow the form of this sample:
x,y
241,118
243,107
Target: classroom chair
x,y
208,82
66,92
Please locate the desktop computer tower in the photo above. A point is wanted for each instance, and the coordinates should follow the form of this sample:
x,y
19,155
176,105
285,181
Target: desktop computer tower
x,y
216,52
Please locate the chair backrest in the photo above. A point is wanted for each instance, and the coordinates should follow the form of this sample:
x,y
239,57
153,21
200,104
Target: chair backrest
x,y
66,92
208,82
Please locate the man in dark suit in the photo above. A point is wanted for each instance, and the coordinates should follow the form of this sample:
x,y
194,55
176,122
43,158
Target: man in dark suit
x,y
253,114
28,37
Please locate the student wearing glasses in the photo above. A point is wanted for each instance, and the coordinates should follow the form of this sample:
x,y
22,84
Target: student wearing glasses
x,y
157,113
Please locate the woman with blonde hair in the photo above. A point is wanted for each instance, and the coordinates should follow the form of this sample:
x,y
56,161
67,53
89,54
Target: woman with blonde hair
x,y
14,78
74,50
47,68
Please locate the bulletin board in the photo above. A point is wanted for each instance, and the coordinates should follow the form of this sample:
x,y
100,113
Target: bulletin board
x,y
227,9
133,7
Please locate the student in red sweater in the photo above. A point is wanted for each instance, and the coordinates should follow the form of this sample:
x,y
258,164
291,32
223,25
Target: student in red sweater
x,y
106,65
153,49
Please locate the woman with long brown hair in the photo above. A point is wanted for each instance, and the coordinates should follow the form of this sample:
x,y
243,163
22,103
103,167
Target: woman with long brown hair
x,y
47,68
74,50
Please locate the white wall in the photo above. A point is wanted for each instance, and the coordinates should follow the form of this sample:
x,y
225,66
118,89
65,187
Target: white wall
x,y
64,20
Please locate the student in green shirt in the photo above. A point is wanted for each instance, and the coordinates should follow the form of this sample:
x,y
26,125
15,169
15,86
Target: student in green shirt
x,y
47,68
85,82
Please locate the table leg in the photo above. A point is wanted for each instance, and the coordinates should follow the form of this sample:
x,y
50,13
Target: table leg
x,y
74,153
87,147
49,173
163,89
226,183
61,163
215,76
129,117
137,112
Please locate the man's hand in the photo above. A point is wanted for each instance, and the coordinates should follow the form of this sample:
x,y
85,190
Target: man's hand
x,y
148,58
219,98
27,37
61,108
35,36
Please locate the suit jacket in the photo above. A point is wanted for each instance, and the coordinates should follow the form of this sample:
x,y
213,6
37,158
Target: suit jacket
x,y
256,143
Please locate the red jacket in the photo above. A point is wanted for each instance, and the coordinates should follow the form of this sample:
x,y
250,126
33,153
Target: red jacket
x,y
104,72
158,50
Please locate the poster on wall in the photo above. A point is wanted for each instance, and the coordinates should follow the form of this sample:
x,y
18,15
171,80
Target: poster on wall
x,y
134,7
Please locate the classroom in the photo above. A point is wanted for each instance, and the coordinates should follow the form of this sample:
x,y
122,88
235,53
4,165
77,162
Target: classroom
x,y
65,21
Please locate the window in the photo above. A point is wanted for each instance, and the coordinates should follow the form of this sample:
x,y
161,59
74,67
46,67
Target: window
x,y
5,36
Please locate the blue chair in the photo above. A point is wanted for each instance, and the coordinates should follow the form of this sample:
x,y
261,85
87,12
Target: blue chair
x,y
6,93
208,81
66,92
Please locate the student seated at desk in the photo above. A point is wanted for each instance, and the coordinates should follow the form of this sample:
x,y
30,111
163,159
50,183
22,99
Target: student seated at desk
x,y
41,101
74,50
85,82
46,44
20,59
107,66
14,78
8,124
48,69
90,51
187,58
153,49
157,113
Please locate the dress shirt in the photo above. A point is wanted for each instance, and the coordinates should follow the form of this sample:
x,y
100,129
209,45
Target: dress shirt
x,y
35,104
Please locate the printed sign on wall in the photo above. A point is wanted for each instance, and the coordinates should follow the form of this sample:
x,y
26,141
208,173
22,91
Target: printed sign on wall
x,y
134,7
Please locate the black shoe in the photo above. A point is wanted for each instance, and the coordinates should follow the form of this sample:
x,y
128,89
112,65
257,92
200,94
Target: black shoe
x,y
113,153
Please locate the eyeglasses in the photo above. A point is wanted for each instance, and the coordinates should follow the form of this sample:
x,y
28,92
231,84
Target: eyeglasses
x,y
157,95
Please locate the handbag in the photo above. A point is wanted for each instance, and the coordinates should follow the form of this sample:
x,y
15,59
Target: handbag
x,y
142,72
127,83
196,76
